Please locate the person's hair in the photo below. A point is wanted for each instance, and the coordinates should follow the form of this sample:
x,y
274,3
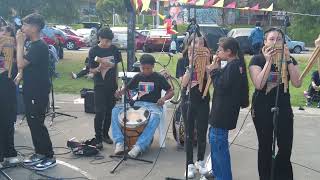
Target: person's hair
x,y
273,29
10,30
147,59
35,19
233,45
193,20
258,23
105,33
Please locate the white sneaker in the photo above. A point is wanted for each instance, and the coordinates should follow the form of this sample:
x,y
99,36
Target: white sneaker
x,y
11,161
73,75
119,149
135,151
191,171
200,165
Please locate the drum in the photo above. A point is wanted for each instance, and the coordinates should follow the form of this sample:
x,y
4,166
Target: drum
x,y
137,119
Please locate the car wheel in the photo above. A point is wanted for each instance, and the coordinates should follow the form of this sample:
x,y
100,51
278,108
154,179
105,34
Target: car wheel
x,y
297,49
70,45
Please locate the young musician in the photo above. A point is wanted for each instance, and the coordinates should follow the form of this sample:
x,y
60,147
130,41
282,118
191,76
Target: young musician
x,y
8,105
231,92
103,59
199,107
264,72
149,85
36,86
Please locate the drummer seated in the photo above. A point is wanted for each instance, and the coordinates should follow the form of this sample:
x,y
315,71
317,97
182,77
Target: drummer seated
x,y
149,85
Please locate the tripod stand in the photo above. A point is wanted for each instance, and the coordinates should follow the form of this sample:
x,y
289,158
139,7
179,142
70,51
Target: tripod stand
x,y
54,113
125,155
275,109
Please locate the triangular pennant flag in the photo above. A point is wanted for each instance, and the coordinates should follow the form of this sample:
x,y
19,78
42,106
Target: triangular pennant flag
x,y
255,8
270,8
191,2
200,3
183,1
219,4
244,8
209,3
231,5
145,5
138,4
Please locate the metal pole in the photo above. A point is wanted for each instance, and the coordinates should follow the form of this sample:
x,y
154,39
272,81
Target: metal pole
x,y
158,10
113,17
89,10
131,39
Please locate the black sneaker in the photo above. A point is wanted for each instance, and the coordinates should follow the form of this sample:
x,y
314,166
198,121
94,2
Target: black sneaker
x,y
45,164
99,145
107,139
34,159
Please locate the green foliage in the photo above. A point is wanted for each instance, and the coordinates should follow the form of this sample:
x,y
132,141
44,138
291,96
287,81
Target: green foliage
x,y
304,28
105,9
65,11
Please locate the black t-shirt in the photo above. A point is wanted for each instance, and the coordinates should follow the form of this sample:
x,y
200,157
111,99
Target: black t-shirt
x,y
315,78
260,98
36,74
110,80
149,87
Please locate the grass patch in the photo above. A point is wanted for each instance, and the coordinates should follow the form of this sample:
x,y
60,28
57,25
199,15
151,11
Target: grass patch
x,y
75,62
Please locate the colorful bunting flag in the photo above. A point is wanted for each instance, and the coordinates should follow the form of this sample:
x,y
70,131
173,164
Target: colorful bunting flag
x,y
209,3
145,5
200,3
269,9
219,4
255,8
231,5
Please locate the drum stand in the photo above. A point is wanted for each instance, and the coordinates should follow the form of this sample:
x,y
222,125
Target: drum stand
x,y
125,155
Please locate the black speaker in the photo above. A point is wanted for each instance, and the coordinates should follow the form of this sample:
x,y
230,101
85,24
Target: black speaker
x,y
89,101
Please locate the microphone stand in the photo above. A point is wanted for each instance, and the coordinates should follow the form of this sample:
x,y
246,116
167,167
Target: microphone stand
x,y
275,109
194,31
125,155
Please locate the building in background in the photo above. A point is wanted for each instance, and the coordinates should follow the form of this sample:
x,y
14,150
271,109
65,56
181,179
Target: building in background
x,y
88,10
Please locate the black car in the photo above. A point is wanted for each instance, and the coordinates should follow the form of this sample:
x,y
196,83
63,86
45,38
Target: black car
x,y
241,35
212,33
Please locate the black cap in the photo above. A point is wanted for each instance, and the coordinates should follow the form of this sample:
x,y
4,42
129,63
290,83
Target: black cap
x,y
147,59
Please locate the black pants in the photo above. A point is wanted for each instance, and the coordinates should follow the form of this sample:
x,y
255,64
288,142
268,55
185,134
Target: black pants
x,y
263,121
8,115
104,103
83,72
198,116
36,106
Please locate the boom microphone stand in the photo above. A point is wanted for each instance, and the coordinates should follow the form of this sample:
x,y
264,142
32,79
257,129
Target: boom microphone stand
x,y
54,113
125,155
275,109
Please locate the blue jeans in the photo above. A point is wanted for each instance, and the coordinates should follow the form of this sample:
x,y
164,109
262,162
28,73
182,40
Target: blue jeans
x,y
220,155
145,138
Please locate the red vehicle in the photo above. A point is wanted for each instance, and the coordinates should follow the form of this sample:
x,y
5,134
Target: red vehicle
x,y
157,40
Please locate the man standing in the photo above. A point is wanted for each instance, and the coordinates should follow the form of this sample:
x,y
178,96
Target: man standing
x,y
36,85
103,59
256,38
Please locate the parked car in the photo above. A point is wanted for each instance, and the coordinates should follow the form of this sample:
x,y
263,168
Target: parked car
x,y
158,40
89,35
71,42
212,33
295,46
120,40
241,35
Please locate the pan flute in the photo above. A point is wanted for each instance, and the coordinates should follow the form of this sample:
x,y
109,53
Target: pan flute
x,y
202,59
278,63
8,44
313,59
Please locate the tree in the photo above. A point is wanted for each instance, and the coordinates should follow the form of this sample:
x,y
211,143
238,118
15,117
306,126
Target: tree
x,y
61,10
105,9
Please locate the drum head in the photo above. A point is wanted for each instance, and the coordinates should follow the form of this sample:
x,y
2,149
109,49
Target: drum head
x,y
136,116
